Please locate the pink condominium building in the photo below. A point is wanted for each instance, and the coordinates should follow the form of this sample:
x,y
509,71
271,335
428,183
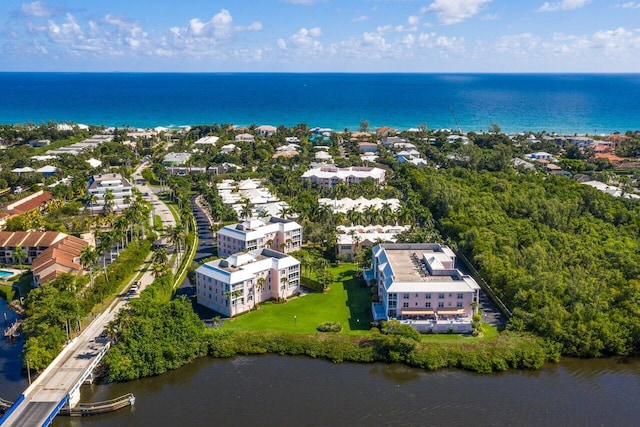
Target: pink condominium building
x,y
236,284
419,284
282,235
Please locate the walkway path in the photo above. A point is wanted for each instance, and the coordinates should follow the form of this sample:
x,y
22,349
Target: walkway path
x,y
149,195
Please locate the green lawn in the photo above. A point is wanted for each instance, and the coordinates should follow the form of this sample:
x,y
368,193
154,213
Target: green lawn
x,y
346,302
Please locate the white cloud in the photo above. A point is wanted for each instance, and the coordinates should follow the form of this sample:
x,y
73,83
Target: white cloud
x,y
629,5
204,37
409,40
360,18
303,2
66,32
37,9
304,39
413,20
562,5
617,40
451,12
517,45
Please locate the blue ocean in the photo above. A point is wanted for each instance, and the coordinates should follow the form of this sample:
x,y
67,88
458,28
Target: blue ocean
x,y
562,103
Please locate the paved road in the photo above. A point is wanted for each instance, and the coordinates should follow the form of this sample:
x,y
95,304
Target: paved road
x,y
149,195
51,387
63,374
206,249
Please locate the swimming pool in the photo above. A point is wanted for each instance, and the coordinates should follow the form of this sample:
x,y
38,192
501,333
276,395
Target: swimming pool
x,y
4,274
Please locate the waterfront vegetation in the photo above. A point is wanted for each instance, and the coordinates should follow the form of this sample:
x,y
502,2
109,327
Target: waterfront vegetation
x,y
564,257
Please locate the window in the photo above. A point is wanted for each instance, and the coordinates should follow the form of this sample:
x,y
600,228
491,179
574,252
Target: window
x,y
427,296
460,296
405,304
405,296
440,296
427,305
440,305
459,304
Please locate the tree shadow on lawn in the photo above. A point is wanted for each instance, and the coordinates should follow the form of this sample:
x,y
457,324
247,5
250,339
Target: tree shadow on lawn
x,y
359,303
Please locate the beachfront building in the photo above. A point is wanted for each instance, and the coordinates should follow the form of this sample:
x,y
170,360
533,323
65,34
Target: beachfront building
x,y
353,239
238,283
275,233
115,184
266,130
419,284
330,176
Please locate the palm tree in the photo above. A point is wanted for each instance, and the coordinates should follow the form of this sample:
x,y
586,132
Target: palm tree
x,y
233,298
109,197
245,212
355,217
260,286
88,258
386,213
20,255
159,269
284,280
106,242
92,199
176,237
160,256
285,211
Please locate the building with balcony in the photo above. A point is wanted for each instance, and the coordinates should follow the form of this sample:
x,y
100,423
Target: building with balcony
x,y
238,283
275,233
419,284
100,185
330,176
50,253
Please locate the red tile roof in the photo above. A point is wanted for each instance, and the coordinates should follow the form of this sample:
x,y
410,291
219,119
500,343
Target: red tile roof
x,y
62,257
31,204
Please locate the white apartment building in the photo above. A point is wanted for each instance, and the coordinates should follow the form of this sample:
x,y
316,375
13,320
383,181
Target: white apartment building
x,y
353,239
236,284
121,188
275,233
330,176
419,284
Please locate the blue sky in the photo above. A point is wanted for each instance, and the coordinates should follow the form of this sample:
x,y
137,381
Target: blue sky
x,y
321,35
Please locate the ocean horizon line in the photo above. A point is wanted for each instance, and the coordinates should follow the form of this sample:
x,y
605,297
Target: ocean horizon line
x,y
566,103
418,73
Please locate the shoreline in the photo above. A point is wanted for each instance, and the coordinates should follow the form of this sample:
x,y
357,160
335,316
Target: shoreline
x,y
336,129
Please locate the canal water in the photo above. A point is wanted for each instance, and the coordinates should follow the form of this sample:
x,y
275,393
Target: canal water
x,y
273,390
12,382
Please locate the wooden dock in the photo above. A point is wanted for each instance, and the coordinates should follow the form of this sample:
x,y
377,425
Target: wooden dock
x,y
13,331
86,409
5,405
